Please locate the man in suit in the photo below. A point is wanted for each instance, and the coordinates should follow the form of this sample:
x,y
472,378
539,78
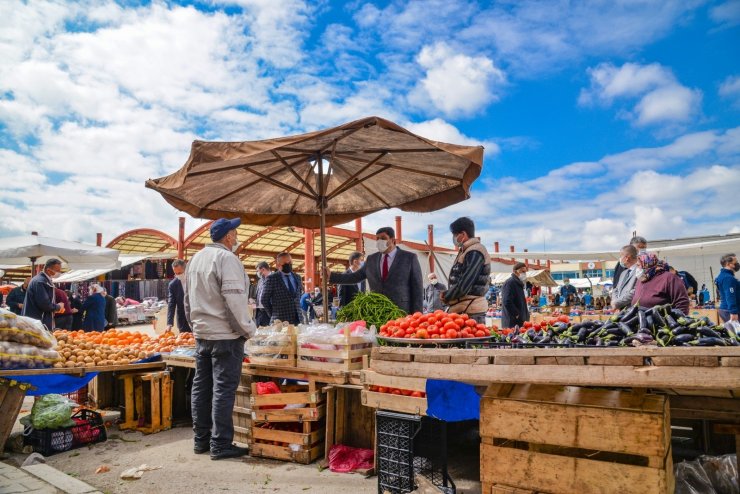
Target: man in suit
x,y
261,317
625,288
40,301
514,300
176,299
348,292
281,295
641,245
391,271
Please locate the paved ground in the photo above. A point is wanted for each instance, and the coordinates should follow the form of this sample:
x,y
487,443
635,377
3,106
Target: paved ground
x,y
15,481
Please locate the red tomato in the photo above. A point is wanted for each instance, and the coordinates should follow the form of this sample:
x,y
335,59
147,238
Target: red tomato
x,y
404,325
486,332
470,323
451,333
400,333
433,329
406,392
396,392
563,318
439,313
445,320
424,318
417,394
414,324
435,336
382,389
465,317
417,315
479,334
373,388
422,333
482,326
424,325
384,327
450,325
527,324
464,334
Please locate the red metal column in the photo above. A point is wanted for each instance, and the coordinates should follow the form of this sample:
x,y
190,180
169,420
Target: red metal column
x,y
495,247
511,249
99,239
309,266
181,238
358,241
430,241
399,234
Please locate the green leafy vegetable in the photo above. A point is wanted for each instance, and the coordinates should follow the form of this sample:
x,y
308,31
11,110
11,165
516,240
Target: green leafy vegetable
x,y
373,308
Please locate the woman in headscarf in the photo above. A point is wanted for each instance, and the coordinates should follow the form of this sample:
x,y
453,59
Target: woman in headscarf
x,y
94,307
658,286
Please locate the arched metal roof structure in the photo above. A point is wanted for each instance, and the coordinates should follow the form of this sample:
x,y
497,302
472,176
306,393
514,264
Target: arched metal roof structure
x,y
144,241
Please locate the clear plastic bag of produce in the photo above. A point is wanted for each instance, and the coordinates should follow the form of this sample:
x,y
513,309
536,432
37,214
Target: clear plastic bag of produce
x,y
50,412
692,479
276,342
722,473
25,330
335,344
20,356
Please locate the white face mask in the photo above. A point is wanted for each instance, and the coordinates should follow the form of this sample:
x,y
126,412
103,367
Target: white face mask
x,y
523,277
433,281
180,277
382,245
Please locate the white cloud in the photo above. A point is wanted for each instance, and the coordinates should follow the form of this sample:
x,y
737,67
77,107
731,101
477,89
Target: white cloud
x,y
458,84
661,99
730,88
440,130
603,233
726,14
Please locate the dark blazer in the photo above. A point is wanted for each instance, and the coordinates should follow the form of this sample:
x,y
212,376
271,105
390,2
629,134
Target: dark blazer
x,y
618,270
39,302
15,297
176,304
403,286
111,311
94,307
515,310
278,301
347,292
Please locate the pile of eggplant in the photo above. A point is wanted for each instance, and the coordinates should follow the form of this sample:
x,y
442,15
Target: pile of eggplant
x,y
662,325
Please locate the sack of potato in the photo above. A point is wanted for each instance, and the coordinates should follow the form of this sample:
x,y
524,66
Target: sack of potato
x,y
24,330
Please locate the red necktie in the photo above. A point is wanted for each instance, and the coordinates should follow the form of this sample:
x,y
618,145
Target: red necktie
x,y
385,267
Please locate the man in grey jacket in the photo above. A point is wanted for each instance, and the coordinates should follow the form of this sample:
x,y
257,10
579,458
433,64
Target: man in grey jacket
x,y
217,308
625,287
391,271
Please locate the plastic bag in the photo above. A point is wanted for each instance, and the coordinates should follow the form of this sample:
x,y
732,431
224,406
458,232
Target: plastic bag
x,y
269,388
20,356
24,330
692,479
345,459
722,473
51,412
271,343
344,336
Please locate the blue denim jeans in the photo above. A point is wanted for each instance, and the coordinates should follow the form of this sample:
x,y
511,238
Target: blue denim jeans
x,y
218,367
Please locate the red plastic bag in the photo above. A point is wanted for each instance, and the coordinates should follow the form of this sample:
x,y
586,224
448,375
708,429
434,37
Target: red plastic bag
x,y
345,459
269,388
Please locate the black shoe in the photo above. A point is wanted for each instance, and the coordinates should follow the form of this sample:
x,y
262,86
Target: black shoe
x,y
199,449
232,451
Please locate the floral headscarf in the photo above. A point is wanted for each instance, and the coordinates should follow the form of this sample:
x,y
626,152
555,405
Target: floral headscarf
x,y
651,266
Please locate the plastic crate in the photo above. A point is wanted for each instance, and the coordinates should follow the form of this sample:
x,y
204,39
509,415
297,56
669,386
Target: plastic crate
x,y
89,429
395,445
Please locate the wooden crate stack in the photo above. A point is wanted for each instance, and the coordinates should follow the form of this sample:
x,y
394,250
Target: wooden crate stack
x,y
148,401
273,347
347,354
565,439
301,447
393,402
242,415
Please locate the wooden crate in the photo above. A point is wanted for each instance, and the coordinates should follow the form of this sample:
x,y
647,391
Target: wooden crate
x,y
348,422
300,447
564,439
387,401
148,401
12,394
346,356
242,415
279,351
312,399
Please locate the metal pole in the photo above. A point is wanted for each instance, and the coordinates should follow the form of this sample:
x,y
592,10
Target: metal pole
x,y
322,226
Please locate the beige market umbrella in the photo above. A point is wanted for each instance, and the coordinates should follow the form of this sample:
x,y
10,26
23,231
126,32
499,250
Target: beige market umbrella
x,y
322,178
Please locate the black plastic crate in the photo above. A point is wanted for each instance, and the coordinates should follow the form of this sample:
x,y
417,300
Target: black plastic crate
x,y
395,445
409,445
89,429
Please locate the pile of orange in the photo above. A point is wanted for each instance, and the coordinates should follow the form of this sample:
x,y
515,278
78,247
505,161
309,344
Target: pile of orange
x,y
134,341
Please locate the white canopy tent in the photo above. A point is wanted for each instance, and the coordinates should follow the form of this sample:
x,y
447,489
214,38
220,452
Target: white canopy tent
x,y
76,275
28,250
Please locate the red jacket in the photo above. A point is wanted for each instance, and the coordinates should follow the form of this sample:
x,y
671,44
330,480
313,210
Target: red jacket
x,y
665,288
61,298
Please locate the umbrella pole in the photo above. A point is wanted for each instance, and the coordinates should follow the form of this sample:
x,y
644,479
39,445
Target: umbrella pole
x,y
324,278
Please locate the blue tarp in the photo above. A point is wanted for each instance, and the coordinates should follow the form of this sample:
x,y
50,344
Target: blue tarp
x,y
452,401
54,383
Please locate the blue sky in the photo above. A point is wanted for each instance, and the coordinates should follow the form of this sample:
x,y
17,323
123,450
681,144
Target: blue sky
x,y
598,118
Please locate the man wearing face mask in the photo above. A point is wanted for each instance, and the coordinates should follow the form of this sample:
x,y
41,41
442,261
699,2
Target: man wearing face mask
x,y
433,293
40,302
514,300
391,271
625,288
217,308
729,288
262,318
638,243
348,292
470,275
282,294
176,299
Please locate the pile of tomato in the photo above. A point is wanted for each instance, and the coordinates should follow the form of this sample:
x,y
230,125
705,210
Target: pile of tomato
x,y
396,391
436,325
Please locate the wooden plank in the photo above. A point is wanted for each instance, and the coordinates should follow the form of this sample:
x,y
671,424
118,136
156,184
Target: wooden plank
x,y
155,404
514,360
81,371
330,416
574,395
687,360
372,378
703,408
290,414
469,359
546,360
610,376
285,453
258,401
556,474
634,432
615,360
729,361
560,360
434,359
305,440
396,403
298,374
